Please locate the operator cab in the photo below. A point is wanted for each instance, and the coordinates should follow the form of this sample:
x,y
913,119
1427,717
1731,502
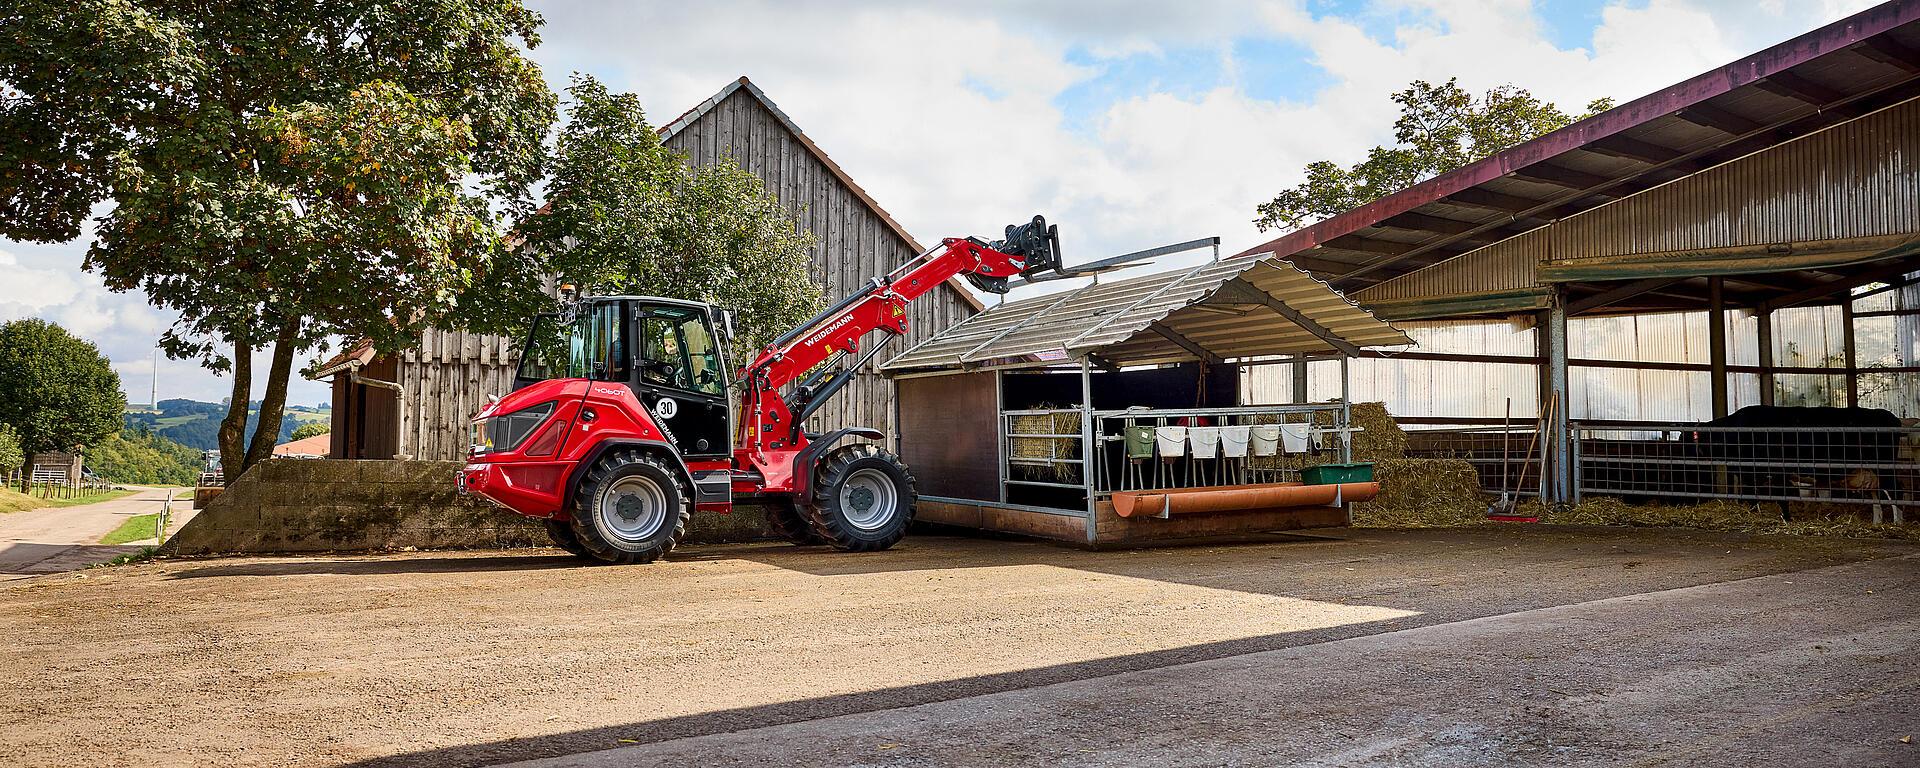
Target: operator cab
x,y
671,353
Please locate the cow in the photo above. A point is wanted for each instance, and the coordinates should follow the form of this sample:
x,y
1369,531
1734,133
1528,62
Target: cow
x,y
1796,451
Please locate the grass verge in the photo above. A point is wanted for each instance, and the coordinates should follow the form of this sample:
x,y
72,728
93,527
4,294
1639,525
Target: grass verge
x,y
145,554
134,529
15,501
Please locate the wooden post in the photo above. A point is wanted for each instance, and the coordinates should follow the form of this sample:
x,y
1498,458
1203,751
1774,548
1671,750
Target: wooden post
x,y
1764,318
1717,343
1846,341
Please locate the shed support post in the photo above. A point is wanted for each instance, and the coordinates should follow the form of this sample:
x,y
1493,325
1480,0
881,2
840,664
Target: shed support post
x,y
1717,344
1556,476
1300,378
1763,318
1847,345
1090,452
1346,411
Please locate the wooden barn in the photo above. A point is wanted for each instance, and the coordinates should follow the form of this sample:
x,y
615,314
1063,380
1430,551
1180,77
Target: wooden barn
x,y
416,404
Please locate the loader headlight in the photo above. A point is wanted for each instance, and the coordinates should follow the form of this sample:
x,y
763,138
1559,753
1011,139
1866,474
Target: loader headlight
x,y
507,432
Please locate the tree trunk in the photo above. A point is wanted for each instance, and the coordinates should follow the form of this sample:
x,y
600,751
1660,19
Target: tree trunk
x,y
233,428
273,404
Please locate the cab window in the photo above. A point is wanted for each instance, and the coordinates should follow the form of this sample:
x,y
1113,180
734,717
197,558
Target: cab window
x,y
678,351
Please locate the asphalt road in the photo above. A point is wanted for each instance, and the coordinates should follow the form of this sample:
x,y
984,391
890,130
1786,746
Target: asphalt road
x,y
57,539
1812,668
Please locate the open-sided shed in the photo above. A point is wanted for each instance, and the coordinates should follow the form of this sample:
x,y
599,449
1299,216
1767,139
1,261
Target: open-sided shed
x,y
1018,419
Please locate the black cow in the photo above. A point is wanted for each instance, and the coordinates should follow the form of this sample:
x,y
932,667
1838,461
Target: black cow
x,y
1796,448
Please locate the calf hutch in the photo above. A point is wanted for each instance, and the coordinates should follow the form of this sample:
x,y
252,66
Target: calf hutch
x,y
1111,415
417,404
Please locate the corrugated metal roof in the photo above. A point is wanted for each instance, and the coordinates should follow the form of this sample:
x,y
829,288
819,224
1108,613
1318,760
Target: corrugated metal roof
x,y
1226,310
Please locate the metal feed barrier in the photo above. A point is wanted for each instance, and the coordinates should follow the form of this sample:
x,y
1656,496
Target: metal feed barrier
x,y
1155,449
1506,458
1876,467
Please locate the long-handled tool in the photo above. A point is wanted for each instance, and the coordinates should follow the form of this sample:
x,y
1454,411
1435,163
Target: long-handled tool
x,y
1553,403
1505,506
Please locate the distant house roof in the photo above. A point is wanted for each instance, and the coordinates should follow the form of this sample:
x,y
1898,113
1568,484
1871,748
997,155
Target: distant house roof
x,y
687,118
1218,311
1839,72
305,447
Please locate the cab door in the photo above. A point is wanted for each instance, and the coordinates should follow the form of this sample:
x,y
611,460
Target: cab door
x,y
679,374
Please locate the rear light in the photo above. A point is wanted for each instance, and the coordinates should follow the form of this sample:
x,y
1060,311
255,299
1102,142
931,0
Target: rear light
x,y
507,432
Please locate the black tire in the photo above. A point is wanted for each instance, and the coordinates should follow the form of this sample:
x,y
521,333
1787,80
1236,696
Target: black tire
x,y
791,525
632,507
852,509
561,533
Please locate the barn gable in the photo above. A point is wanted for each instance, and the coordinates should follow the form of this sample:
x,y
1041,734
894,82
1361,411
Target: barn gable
x,y
855,239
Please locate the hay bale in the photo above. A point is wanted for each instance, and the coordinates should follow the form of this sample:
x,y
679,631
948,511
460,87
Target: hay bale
x,y
1067,423
1423,493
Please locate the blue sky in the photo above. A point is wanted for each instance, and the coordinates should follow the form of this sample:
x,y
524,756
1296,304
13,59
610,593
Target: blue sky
x,y
1130,123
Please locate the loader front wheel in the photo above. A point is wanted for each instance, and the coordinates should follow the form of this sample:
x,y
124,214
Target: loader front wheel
x,y
630,508
863,499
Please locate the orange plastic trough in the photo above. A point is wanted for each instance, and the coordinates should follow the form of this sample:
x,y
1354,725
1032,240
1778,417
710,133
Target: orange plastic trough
x,y
1234,498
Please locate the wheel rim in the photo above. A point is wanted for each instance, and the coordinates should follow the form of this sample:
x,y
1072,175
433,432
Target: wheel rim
x,y
632,509
869,499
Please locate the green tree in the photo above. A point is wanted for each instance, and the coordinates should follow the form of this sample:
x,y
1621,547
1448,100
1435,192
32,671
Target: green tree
x,y
627,214
311,429
279,173
1441,127
58,392
10,453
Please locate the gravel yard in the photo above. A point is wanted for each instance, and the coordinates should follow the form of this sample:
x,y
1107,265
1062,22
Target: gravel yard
x,y
485,657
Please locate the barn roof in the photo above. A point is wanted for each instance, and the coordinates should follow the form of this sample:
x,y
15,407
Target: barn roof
x,y
1218,311
1831,75
700,110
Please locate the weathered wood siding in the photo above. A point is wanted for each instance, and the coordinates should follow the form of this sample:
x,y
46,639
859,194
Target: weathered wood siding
x,y
449,376
852,240
444,381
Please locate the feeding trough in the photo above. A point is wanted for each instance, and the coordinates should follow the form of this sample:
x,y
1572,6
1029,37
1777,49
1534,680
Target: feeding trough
x,y
1162,442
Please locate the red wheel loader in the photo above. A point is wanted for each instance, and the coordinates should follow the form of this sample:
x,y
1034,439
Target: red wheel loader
x,y
619,427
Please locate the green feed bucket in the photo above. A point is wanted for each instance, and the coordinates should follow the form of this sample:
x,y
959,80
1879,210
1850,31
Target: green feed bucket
x,y
1329,474
1139,441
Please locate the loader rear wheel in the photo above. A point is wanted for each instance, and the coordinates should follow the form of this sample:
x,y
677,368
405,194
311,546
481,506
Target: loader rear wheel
x,y
630,508
562,535
791,525
863,499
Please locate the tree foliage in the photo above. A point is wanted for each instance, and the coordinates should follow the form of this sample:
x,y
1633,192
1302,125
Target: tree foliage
x,y
1441,128
311,429
141,457
10,453
58,391
280,172
625,214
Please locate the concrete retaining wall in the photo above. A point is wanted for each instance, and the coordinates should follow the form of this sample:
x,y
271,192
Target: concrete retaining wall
x,y
342,505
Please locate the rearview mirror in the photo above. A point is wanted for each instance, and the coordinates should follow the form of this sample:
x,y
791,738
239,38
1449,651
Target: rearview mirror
x,y
725,318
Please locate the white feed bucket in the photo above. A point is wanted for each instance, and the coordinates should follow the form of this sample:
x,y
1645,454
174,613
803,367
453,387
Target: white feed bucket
x,y
1265,439
1233,441
1172,441
1294,437
1205,440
